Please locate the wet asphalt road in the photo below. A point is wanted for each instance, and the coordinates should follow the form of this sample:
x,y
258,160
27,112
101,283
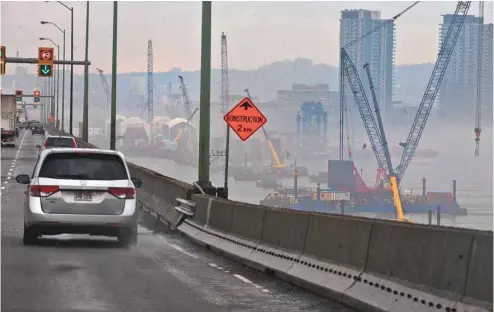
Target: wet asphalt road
x,y
163,272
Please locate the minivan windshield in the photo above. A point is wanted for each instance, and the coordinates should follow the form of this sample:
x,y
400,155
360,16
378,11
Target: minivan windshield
x,y
83,166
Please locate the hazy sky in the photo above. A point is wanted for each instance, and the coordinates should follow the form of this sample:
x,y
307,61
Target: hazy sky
x,y
258,32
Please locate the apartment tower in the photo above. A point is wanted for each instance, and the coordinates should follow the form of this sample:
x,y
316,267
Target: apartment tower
x,y
377,49
458,92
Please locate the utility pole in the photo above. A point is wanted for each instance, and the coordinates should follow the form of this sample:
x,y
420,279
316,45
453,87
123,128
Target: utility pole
x,y
63,84
57,125
225,97
114,79
85,112
205,98
52,102
71,69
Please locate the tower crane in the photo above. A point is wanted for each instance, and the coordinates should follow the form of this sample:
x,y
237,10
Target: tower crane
x,y
478,105
276,160
432,88
189,114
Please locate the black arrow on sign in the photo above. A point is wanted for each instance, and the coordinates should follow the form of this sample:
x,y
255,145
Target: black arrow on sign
x,y
246,105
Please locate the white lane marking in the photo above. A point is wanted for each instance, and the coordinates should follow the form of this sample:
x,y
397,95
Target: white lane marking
x,y
178,248
8,178
240,277
3,187
243,279
4,182
10,173
10,169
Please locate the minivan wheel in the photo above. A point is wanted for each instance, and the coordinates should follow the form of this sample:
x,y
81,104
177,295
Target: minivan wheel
x,y
29,236
124,240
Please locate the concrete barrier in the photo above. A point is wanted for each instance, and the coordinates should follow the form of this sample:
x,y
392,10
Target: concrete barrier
x,y
372,265
285,229
340,239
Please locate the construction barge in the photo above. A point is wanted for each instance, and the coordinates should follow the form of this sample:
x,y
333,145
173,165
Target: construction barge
x,y
352,196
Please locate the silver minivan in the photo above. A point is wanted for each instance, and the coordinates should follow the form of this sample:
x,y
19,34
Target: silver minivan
x,y
80,191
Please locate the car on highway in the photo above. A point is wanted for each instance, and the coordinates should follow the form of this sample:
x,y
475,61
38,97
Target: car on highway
x,y
30,123
57,141
80,191
37,129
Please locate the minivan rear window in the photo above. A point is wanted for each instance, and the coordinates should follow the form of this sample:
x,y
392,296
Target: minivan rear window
x,y
83,166
59,142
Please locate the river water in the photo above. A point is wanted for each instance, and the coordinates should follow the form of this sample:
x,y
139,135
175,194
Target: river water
x,y
474,175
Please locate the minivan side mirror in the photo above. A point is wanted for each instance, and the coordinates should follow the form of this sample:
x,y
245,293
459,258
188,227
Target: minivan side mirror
x,y
22,179
37,146
137,182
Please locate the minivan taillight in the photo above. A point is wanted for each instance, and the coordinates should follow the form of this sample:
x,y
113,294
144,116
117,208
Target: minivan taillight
x,y
123,192
43,190
74,144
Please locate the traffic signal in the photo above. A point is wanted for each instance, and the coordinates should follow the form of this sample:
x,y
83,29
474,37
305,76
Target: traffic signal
x,y
36,96
2,60
45,62
18,95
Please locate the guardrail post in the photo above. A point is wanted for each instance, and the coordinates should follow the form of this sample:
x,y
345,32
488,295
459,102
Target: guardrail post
x,y
438,214
342,207
430,216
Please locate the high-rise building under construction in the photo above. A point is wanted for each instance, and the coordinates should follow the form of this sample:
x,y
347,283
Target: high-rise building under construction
x,y
377,49
458,92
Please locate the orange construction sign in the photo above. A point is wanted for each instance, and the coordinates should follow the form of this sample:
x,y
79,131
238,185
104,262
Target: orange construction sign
x,y
245,119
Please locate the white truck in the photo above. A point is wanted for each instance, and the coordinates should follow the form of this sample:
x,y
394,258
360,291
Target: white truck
x,y
9,120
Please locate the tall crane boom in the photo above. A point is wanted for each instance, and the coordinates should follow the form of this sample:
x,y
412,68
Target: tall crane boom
x,y
478,105
225,96
185,96
105,86
150,83
432,88
189,114
365,110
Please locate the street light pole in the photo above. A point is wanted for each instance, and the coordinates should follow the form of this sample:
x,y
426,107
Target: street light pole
x,y
113,117
205,97
52,108
63,84
58,90
71,68
85,114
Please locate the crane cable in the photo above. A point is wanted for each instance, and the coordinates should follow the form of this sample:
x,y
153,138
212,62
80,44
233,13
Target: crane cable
x,y
381,25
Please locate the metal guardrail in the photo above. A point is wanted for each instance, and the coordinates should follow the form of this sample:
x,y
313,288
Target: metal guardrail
x,y
185,207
